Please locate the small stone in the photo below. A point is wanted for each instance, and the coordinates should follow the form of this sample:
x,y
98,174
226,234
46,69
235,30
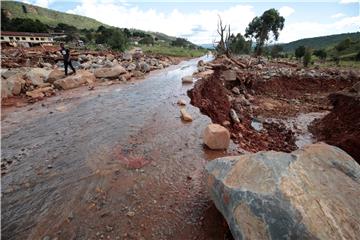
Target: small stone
x,y
130,214
187,79
181,102
234,116
236,90
185,115
216,137
46,238
226,123
49,166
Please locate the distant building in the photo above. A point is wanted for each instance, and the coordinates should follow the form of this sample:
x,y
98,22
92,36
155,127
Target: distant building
x,y
26,37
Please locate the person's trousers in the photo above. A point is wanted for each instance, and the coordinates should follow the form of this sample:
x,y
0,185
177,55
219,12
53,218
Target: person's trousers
x,y
66,64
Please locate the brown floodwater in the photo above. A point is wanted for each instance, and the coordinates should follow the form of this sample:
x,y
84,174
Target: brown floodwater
x,y
114,163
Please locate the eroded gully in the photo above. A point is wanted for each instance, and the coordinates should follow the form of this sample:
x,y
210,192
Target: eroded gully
x,y
115,164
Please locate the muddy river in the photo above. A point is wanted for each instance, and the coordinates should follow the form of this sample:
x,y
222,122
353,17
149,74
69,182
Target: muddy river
x,y
114,163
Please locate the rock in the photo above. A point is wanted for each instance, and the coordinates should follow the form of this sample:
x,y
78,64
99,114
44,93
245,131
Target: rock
x,y
108,63
187,79
37,76
138,74
131,67
185,115
144,67
127,56
181,102
200,63
55,75
113,72
74,81
5,91
15,84
130,214
85,65
229,75
226,123
216,137
110,57
311,193
234,116
356,87
14,71
40,92
154,62
236,90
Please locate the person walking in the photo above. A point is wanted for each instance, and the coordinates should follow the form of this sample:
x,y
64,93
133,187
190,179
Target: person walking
x,y
67,60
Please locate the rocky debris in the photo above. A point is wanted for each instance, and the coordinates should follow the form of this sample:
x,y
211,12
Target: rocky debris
x,y
201,63
37,76
74,81
308,194
235,90
341,127
40,61
54,75
187,79
356,88
234,116
229,75
113,72
14,84
216,137
185,115
181,102
39,93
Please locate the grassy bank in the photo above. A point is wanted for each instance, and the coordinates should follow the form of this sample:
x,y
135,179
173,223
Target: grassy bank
x,y
167,50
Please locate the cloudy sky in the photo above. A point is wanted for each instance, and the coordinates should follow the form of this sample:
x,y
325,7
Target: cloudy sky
x,y
196,21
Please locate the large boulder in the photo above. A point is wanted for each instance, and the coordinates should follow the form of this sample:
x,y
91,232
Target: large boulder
x,y
113,72
127,56
216,137
37,76
74,81
55,75
15,84
311,193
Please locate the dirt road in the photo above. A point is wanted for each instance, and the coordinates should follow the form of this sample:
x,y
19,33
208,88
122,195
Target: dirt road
x,y
115,164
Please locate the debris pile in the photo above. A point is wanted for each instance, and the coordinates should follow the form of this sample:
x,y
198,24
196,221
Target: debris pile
x,y
35,73
246,94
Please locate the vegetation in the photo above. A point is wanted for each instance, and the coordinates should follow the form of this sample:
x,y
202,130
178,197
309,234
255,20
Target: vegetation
x,y
47,16
321,54
324,42
307,57
168,50
300,52
260,27
238,44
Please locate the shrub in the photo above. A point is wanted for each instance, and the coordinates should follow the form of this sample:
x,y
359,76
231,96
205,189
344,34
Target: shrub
x,y
307,57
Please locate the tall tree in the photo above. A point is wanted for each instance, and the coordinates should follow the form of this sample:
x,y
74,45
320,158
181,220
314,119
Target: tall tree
x,y
260,28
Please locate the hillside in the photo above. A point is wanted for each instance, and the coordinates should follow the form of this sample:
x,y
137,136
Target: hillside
x,y
320,42
50,17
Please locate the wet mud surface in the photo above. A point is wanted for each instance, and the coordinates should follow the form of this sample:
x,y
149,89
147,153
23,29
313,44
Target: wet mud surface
x,y
115,163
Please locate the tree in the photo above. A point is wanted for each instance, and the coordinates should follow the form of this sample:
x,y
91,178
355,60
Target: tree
x,y
260,27
300,52
224,43
238,44
275,51
179,42
320,54
118,40
344,44
307,57
147,40
357,58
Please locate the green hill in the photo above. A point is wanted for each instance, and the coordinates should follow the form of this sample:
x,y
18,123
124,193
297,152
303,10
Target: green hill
x,y
324,42
50,17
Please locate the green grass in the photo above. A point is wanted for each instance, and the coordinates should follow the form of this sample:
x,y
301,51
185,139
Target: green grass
x,y
166,50
47,16
343,64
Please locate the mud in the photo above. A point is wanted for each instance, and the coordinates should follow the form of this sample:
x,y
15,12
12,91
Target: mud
x,y
341,127
113,163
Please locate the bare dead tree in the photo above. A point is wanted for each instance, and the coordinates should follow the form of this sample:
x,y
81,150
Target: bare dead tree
x,y
224,43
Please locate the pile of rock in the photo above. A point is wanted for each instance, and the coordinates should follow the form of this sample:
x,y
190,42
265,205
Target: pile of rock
x,y
38,82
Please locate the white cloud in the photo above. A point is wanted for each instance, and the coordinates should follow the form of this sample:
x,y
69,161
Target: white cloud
x,y
349,1
299,30
42,3
286,11
338,15
198,27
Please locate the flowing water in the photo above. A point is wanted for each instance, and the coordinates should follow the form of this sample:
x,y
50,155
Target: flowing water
x,y
115,164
